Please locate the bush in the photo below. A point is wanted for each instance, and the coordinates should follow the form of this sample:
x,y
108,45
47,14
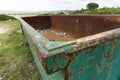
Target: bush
x,y
6,17
61,13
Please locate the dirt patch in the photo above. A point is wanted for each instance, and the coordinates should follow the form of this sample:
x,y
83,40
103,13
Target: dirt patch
x,y
3,28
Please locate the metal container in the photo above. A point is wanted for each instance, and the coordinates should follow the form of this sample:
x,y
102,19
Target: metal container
x,y
76,47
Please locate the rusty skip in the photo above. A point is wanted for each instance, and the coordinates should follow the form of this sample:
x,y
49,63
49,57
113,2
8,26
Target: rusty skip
x,y
86,46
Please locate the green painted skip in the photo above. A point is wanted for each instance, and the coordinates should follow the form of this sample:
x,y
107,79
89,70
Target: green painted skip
x,y
101,62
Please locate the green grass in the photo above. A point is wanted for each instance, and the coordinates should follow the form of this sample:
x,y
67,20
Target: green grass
x,y
16,61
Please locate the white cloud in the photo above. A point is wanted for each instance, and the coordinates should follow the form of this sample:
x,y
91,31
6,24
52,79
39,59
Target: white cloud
x,y
47,5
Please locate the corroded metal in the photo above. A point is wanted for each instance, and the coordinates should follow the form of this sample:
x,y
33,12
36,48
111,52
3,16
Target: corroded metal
x,y
94,57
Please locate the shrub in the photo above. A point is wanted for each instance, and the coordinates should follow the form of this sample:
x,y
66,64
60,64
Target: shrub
x,y
6,17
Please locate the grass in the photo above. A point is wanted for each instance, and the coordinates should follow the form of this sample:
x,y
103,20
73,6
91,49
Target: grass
x,y
16,61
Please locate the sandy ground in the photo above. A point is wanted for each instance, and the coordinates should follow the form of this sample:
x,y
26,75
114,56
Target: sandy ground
x,y
3,28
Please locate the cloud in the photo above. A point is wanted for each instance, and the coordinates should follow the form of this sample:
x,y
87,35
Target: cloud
x,y
47,5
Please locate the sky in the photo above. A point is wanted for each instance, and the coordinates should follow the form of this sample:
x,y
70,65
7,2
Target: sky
x,y
52,5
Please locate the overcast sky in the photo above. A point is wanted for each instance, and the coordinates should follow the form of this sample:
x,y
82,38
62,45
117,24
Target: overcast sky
x,y
50,5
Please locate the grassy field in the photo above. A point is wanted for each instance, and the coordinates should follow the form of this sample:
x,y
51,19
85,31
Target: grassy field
x,y
16,61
